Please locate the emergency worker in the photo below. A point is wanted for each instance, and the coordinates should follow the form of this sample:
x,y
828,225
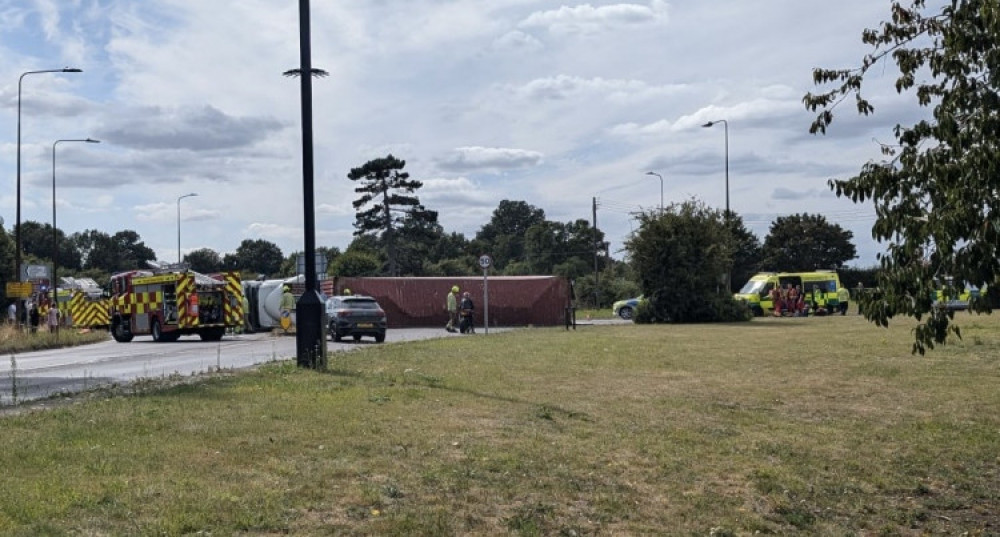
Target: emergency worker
x,y
468,325
819,300
288,304
793,300
843,296
246,315
451,305
776,301
345,292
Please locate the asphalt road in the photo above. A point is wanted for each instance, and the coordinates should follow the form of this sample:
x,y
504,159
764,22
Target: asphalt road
x,y
41,374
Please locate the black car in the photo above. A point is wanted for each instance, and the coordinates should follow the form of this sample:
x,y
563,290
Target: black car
x,y
355,316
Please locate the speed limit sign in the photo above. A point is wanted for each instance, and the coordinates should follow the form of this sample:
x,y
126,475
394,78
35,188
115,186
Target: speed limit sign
x,y
485,261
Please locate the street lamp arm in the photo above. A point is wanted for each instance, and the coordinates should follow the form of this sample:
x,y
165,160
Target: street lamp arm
x,y
179,224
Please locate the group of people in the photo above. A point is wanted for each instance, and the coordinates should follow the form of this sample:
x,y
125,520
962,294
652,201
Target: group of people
x,y
792,300
31,315
460,315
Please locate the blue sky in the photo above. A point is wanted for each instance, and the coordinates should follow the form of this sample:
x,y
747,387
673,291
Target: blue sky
x,y
552,103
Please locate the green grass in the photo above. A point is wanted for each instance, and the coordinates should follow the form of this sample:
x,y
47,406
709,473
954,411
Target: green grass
x,y
816,426
13,341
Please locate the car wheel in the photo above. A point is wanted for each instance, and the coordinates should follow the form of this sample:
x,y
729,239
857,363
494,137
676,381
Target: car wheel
x,y
625,313
379,338
357,337
336,336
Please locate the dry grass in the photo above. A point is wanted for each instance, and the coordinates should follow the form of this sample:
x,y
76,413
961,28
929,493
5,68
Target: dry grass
x,y
818,426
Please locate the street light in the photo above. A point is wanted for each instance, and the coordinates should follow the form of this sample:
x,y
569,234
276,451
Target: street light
x,y
17,230
728,276
179,224
661,188
55,236
726,125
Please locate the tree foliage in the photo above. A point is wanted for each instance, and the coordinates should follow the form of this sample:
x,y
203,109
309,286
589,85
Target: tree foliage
x,y
503,236
746,252
937,191
204,260
385,204
803,242
112,253
681,257
256,255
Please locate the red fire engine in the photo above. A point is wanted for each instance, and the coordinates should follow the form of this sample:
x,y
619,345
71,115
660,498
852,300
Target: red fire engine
x,y
171,304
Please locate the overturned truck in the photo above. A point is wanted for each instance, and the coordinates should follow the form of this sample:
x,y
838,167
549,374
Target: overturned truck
x,y
513,300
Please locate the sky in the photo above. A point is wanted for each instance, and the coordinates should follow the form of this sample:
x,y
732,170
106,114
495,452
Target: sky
x,y
555,103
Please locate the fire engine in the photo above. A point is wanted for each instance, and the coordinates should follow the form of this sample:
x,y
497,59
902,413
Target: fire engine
x,y
170,303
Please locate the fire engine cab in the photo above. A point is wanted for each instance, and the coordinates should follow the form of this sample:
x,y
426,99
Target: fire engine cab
x,y
173,303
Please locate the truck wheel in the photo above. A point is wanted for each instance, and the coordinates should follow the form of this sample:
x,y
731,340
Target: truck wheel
x,y
212,334
157,332
120,333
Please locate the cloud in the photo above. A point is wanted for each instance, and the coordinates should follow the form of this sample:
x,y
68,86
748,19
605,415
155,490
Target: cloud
x,y
489,158
586,18
202,128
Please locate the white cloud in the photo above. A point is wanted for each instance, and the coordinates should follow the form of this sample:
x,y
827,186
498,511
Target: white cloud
x,y
489,158
587,18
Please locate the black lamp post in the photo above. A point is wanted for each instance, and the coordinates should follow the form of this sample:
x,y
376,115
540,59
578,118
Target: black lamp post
x,y
55,235
17,229
310,334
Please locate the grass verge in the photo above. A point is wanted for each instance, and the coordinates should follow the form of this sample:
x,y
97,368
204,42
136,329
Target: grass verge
x,y
13,341
816,426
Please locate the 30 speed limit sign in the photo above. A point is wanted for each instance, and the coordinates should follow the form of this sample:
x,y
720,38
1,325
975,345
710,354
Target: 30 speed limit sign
x,y
485,261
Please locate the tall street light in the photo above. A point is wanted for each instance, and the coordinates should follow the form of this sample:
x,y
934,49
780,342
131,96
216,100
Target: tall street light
x,y
179,224
726,125
661,188
55,236
17,230
728,275
310,334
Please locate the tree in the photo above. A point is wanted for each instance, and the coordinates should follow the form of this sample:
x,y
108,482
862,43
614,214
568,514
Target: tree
x,y
260,256
803,242
356,263
503,236
112,253
6,256
384,186
36,240
937,192
205,260
681,257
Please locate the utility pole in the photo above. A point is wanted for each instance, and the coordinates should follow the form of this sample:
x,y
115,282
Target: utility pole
x,y
597,249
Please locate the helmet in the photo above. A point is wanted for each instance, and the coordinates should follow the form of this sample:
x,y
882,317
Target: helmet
x,y
454,288
346,292
286,288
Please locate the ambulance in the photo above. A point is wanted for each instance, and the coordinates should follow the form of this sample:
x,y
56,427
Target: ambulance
x,y
757,291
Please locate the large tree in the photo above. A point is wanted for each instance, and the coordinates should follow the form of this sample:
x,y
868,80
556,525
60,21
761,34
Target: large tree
x,y
681,257
112,253
36,240
503,236
937,192
803,242
385,203
204,260
256,255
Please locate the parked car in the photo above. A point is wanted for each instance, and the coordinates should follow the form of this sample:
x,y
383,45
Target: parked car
x,y
626,308
355,316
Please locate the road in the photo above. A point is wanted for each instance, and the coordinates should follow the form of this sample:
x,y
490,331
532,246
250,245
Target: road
x,y
41,374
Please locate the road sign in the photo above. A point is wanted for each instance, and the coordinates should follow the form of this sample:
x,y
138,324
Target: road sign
x,y
485,261
19,289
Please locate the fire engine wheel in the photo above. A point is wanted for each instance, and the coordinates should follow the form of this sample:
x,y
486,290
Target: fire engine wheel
x,y
158,332
120,333
212,334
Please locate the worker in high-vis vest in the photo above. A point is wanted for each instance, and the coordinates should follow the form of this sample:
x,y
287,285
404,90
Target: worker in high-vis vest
x,y
819,300
843,297
287,308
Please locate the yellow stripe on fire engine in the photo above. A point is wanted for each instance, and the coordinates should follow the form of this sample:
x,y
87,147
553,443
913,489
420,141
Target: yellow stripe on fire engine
x,y
159,278
185,288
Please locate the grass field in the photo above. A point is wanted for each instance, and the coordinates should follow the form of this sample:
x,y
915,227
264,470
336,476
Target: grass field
x,y
815,426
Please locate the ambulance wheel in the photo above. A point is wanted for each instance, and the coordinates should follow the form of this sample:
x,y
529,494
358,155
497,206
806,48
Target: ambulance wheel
x,y
157,332
120,333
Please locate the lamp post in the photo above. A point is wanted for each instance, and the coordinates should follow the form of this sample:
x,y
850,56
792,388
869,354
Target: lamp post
x,y
55,235
728,275
17,229
661,188
179,224
726,125
310,334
